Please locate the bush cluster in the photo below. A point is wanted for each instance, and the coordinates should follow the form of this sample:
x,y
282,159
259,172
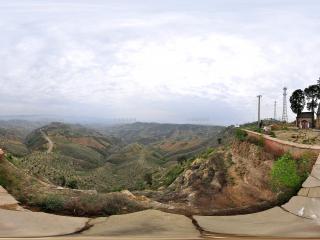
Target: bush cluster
x,y
172,174
287,174
240,134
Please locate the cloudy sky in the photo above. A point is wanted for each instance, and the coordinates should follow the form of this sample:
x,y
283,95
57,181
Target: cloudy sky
x,y
201,61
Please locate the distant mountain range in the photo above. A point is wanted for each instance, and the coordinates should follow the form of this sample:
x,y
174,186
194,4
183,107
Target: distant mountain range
x,y
102,157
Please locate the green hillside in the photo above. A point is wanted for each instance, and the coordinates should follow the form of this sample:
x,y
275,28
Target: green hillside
x,y
113,158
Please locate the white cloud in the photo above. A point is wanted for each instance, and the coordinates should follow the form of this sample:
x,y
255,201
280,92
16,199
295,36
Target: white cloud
x,y
145,61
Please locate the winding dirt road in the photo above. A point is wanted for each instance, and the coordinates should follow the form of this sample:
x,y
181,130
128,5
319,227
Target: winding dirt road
x,y
50,143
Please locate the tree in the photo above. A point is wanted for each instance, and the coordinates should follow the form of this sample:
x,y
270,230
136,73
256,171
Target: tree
x,y
297,101
181,159
73,183
148,178
312,94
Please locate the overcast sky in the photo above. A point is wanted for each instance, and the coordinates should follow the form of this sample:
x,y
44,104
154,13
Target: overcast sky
x,y
166,61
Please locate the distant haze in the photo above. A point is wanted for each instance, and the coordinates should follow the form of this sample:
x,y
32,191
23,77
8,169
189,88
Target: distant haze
x,y
182,61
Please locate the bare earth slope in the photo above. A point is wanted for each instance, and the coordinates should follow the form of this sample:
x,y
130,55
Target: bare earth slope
x,y
228,180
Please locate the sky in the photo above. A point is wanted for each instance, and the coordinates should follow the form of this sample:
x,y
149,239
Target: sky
x,y
179,61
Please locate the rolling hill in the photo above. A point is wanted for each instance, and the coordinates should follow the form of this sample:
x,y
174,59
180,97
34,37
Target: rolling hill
x,y
109,158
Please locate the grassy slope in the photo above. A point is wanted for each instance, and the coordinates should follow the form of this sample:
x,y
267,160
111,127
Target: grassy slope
x,y
37,194
93,161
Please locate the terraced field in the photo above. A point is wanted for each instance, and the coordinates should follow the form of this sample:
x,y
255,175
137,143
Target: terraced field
x,y
107,159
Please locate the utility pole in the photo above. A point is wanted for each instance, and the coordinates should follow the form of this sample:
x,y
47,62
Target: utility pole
x,y
259,101
275,110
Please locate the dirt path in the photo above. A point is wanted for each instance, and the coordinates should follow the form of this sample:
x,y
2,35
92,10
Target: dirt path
x,y
50,143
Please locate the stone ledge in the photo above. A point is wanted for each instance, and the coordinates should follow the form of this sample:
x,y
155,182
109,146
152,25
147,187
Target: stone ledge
x,y
18,224
274,222
303,192
2,190
305,207
6,199
314,192
316,171
311,182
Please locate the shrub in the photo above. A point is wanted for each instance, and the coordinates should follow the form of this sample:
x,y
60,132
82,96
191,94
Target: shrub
x,y
172,174
148,178
73,183
272,134
182,159
257,141
9,157
207,152
52,203
257,129
101,204
260,141
241,134
305,164
284,174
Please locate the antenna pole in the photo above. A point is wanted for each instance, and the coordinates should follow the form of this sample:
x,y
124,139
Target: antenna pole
x,y
275,110
284,112
259,101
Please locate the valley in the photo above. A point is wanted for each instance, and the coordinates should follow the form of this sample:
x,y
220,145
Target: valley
x,y
105,159
186,169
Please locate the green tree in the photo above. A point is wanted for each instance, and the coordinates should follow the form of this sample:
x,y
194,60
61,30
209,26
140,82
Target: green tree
x,y
181,159
148,178
73,183
312,95
297,101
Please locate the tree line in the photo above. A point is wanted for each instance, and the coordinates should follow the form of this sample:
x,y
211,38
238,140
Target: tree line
x,y
308,97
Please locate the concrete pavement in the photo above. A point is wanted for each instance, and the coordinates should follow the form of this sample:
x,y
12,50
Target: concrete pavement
x,y
274,222
145,224
37,224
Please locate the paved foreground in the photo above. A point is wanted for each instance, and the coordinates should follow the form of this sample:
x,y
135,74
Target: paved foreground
x,y
274,222
151,224
145,224
34,224
6,200
300,217
18,222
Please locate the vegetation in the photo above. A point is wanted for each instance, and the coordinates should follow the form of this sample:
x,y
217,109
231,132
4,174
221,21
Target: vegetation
x,y
116,158
284,173
172,174
240,134
312,94
28,190
299,97
287,174
297,101
272,134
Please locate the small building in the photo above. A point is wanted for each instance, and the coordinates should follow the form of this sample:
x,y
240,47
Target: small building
x,y
305,120
318,119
